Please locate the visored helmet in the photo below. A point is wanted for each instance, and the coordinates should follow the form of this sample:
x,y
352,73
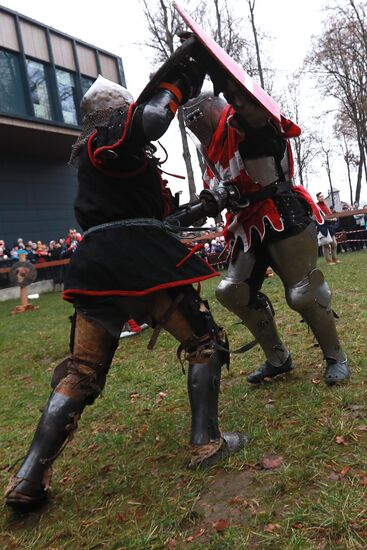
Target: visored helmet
x,y
202,114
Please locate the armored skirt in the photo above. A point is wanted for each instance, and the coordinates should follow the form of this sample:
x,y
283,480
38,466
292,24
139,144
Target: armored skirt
x,y
132,261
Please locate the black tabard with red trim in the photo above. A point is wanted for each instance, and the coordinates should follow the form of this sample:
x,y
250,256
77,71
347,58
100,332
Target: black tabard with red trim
x,y
125,260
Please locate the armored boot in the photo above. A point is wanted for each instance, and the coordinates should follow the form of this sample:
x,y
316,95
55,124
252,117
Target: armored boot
x,y
30,485
322,323
209,445
267,370
206,354
258,317
77,382
311,297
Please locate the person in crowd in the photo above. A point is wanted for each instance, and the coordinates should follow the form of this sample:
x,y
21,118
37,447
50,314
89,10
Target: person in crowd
x,y
31,256
4,247
365,227
41,252
21,249
358,235
132,328
122,199
71,243
275,229
348,225
73,239
3,255
14,252
213,247
328,230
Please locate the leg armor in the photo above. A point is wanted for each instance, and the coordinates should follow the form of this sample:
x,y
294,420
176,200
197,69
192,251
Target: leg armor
x,y
193,325
308,293
76,382
238,292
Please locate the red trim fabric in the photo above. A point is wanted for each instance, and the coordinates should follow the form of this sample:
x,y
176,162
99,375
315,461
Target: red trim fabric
x,y
290,129
223,152
124,133
98,162
192,251
70,293
173,89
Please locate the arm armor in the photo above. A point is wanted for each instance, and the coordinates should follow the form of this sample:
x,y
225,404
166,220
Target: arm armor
x,y
183,82
157,115
211,202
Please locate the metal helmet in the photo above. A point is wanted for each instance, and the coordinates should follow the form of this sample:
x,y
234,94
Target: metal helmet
x,y
105,94
202,114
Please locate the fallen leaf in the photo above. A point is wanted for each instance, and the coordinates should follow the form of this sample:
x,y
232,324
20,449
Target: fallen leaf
x,y
65,480
139,514
134,396
271,527
340,440
160,396
236,500
344,471
171,544
271,462
143,431
220,525
297,526
196,536
364,481
253,506
121,517
106,469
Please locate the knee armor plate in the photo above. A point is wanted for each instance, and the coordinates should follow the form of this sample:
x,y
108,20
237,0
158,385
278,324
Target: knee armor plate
x,y
311,289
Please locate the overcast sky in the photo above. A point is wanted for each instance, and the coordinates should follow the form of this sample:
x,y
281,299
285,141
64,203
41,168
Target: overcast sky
x,y
118,26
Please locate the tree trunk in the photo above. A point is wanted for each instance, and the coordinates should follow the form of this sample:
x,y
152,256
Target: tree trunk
x,y
328,170
349,181
257,47
359,174
186,156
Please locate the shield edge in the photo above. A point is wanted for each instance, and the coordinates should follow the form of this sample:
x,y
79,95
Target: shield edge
x,y
244,80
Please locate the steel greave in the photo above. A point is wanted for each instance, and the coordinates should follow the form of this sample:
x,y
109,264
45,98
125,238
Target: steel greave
x,y
203,388
57,420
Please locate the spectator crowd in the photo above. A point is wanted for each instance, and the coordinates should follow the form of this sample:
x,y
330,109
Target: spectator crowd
x,y
39,252
350,232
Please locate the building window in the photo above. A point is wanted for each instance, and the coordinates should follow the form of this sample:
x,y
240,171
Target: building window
x,y
11,88
86,83
39,91
66,89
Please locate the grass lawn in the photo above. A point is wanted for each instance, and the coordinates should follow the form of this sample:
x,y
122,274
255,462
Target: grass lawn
x,y
122,483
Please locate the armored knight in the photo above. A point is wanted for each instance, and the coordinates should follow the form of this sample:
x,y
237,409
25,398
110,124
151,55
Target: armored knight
x,y
273,228
122,201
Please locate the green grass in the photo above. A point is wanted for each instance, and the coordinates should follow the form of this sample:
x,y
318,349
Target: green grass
x,y
122,482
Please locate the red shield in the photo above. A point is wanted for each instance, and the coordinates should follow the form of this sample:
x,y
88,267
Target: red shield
x,y
233,69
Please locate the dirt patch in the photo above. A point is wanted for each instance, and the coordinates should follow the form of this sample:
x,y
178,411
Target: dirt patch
x,y
232,496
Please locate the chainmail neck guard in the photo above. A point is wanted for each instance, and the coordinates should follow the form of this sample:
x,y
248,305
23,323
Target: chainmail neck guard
x,y
90,123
